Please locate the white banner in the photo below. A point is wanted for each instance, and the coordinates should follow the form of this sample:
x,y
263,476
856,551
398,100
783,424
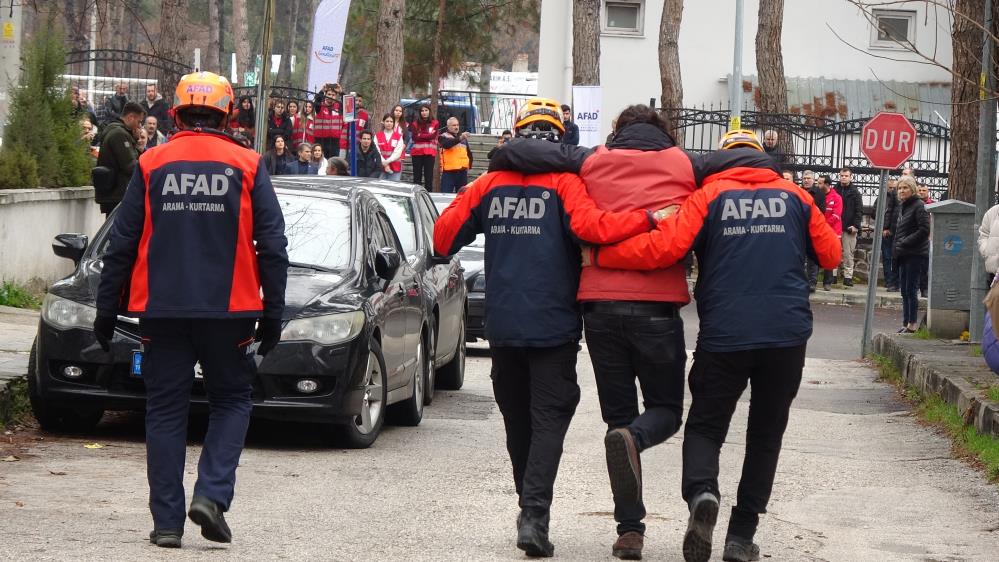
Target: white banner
x,y
587,102
328,29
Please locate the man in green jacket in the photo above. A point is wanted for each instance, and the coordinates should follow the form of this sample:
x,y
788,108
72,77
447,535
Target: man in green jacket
x,y
118,153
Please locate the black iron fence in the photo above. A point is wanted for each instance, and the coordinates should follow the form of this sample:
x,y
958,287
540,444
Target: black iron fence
x,y
823,146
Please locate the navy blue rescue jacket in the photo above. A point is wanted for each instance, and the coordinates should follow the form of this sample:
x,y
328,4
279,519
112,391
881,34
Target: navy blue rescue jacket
x,y
198,235
532,225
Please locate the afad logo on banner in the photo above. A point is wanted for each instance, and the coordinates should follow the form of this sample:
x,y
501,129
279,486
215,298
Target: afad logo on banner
x,y
328,29
328,54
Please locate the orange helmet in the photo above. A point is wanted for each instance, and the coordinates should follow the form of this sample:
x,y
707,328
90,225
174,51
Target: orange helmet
x,y
204,90
539,116
740,137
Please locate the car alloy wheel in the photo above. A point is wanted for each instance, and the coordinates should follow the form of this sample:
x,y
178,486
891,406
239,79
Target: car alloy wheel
x,y
371,404
420,376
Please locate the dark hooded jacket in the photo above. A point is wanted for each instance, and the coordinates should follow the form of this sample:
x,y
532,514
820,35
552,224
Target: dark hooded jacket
x,y
118,153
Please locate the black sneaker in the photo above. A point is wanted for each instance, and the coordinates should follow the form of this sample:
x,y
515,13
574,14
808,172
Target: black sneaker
x,y
208,515
532,533
700,526
167,538
740,550
624,466
848,282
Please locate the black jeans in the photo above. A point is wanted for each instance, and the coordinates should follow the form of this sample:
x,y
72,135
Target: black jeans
x,y
891,272
909,268
171,347
331,146
423,171
625,347
717,380
812,271
536,391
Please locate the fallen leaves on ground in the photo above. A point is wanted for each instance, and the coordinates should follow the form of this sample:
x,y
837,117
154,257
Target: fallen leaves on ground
x,y
57,473
10,458
93,446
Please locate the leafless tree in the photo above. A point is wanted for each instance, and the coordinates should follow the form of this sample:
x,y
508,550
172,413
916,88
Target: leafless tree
x,y
172,40
213,55
388,70
586,42
669,58
770,61
241,37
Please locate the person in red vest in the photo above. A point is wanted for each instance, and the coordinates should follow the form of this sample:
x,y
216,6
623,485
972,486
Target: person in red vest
x,y
302,125
632,318
390,144
328,124
424,132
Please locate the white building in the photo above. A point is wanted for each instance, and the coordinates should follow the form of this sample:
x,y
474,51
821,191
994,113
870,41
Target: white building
x,y
848,65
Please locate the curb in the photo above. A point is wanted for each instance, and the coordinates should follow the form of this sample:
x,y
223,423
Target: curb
x,y
925,366
7,398
18,311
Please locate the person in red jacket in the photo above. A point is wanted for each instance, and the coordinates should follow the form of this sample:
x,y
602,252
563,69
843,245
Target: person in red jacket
x,y
532,224
632,318
328,123
751,231
424,131
197,240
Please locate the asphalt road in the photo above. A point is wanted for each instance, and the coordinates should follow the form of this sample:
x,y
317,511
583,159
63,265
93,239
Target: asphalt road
x,y
859,479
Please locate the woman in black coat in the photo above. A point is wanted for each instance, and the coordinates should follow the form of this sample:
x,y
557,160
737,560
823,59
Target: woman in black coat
x,y
278,123
912,245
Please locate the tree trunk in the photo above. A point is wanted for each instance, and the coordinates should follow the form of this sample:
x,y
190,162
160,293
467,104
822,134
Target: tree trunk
x,y
435,82
213,61
669,61
967,47
288,22
77,16
241,39
586,42
313,6
388,69
172,43
486,98
770,69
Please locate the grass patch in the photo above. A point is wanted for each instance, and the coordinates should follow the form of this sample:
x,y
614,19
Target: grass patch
x,y
923,333
14,404
933,409
993,393
975,350
17,296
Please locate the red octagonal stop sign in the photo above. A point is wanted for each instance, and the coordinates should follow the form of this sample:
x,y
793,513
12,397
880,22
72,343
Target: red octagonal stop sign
x,y
888,140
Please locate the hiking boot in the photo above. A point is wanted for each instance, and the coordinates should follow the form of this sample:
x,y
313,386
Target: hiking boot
x,y
624,466
629,546
532,533
740,550
700,526
208,515
167,538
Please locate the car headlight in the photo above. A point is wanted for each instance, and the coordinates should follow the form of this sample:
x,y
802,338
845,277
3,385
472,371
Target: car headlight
x,y
325,330
480,283
63,313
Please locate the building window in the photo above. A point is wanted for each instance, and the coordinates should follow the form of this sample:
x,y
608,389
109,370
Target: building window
x,y
624,17
893,29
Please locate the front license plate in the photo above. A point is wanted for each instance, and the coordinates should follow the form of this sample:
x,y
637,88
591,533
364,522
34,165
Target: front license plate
x,y
136,370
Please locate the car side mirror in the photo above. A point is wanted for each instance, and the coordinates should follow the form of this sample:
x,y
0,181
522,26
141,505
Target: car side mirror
x,y
387,262
70,246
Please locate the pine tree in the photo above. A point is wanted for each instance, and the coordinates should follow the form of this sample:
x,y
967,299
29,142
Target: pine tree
x,y
42,134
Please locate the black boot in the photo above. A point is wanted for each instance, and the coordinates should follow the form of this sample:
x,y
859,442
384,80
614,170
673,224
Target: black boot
x,y
208,515
532,533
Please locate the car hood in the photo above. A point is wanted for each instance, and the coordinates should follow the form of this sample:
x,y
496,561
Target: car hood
x,y
308,293
473,259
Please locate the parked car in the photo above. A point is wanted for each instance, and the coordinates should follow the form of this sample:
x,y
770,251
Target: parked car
x,y
357,336
473,260
413,215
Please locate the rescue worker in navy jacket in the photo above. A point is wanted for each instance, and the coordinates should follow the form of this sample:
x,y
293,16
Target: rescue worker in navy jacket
x,y
751,231
632,318
197,236
532,224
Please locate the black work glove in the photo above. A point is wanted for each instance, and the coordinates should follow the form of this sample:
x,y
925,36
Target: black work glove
x,y
268,334
104,330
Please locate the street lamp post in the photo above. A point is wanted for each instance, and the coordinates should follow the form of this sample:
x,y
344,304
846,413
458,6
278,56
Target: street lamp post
x,y
983,182
735,87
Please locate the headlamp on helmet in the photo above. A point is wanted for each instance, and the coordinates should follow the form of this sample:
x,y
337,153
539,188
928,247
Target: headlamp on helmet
x,y
740,138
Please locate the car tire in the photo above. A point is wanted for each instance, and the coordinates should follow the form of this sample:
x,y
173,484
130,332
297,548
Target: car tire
x,y
430,382
54,418
362,431
409,412
452,375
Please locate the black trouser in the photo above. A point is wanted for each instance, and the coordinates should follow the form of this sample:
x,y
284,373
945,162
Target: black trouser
x,y
812,271
423,171
331,146
537,394
887,252
171,347
717,380
924,273
643,340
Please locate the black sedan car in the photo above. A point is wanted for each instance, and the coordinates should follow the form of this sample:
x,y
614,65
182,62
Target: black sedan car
x,y
473,260
356,339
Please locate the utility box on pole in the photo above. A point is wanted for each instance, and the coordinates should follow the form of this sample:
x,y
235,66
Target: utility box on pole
x,y
952,247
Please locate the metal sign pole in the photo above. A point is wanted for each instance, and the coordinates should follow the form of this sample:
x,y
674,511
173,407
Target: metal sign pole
x,y
735,87
872,281
983,184
352,131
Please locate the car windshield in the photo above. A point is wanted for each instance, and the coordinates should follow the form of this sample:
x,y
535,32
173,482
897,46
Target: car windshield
x,y
400,211
441,201
318,231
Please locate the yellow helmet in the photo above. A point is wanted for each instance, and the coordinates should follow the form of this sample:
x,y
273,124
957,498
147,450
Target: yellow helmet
x,y
540,118
740,137
204,90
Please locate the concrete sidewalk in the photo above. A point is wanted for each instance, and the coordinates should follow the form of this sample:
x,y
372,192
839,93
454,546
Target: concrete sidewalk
x,y
948,369
17,332
847,296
